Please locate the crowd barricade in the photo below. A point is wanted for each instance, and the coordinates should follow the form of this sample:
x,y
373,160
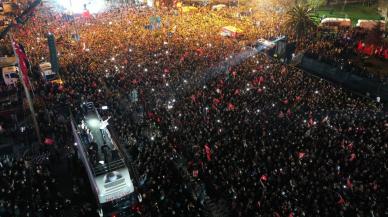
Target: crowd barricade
x,y
360,84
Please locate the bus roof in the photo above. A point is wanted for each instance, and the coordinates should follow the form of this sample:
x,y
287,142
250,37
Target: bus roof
x,y
110,180
10,69
45,66
7,61
100,138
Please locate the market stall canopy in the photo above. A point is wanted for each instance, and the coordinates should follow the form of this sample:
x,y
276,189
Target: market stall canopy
x,y
370,24
340,22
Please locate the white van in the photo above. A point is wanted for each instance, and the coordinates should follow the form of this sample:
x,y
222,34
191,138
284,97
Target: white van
x,y
48,74
10,75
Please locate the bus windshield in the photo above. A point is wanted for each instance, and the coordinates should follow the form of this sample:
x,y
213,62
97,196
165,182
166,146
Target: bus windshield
x,y
13,75
51,77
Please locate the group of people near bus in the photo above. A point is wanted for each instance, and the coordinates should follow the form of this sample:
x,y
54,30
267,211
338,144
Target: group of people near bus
x,y
268,138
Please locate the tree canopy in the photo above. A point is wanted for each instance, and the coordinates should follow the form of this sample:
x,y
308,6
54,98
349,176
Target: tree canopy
x,y
299,20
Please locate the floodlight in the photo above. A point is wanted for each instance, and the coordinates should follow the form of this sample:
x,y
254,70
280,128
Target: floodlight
x,y
78,6
93,123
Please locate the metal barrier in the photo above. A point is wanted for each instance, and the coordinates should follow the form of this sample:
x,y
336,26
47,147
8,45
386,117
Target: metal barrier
x,y
366,86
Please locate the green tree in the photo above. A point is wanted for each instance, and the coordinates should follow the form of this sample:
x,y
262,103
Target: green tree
x,y
300,21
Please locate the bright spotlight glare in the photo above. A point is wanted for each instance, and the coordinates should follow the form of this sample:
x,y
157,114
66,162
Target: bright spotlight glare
x,y
77,7
93,123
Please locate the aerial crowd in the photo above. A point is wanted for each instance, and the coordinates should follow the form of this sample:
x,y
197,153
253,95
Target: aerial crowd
x,y
266,137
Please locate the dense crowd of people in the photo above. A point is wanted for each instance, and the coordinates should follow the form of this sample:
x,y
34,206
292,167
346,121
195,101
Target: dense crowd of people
x,y
267,137
10,11
342,48
27,188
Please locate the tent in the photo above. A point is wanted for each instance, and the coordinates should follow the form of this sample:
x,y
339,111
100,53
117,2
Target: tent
x,y
338,22
370,24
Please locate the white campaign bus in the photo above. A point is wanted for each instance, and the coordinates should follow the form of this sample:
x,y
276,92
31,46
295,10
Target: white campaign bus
x,y
105,165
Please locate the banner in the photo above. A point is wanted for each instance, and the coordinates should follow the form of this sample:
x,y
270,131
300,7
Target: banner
x,y
23,62
53,53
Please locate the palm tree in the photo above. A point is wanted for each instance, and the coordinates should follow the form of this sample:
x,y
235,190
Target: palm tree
x,y
299,21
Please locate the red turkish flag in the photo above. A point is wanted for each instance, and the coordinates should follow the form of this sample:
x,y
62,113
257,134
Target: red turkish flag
x,y
386,53
193,98
234,74
352,157
216,101
200,51
310,122
360,46
289,113
349,183
260,80
48,141
23,61
86,14
208,152
195,173
341,200
231,107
